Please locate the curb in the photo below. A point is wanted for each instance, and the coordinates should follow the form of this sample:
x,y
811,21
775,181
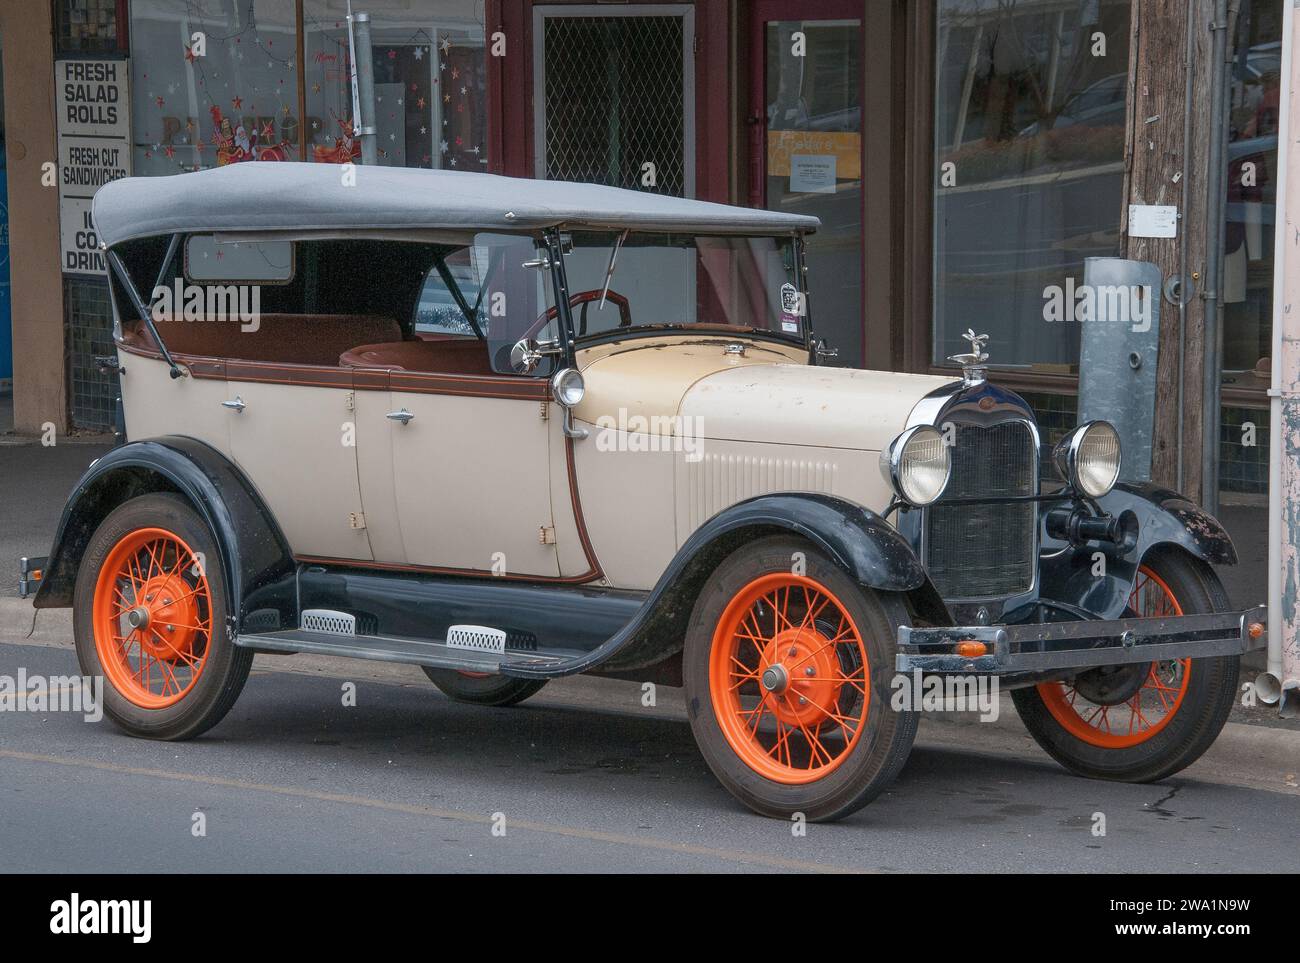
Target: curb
x,y
18,618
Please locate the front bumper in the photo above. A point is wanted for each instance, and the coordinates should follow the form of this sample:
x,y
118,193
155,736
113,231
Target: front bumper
x,y
1052,646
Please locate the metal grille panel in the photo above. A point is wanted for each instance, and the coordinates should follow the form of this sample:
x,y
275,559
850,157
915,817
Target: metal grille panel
x,y
986,551
90,333
615,100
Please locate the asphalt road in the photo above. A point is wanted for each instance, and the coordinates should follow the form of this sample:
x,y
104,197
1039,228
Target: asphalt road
x,y
585,778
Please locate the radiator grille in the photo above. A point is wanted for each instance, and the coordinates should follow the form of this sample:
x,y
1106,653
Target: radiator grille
x,y
985,551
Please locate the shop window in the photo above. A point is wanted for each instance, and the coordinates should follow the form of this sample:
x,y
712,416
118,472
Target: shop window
x,y
219,84
1252,187
430,70
1029,140
90,27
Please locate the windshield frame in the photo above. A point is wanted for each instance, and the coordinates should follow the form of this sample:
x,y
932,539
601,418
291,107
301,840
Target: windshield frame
x,y
572,341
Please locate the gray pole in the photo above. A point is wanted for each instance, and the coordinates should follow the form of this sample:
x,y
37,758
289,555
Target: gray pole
x,y
362,57
1216,185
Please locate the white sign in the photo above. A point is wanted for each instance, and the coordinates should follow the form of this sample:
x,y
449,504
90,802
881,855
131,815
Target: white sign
x,y
93,114
812,173
1152,220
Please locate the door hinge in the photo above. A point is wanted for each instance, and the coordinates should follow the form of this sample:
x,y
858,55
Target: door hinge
x,y
356,519
546,535
350,401
695,44
545,410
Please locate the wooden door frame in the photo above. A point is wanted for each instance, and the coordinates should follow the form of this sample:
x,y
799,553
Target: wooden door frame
x,y
511,98
880,92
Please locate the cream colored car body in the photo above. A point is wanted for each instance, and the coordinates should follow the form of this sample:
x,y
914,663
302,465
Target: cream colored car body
x,y
679,427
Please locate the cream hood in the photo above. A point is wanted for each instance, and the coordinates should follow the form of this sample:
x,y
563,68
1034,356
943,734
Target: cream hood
x,y
762,397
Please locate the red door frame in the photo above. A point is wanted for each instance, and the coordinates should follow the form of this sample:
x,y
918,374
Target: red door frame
x,y
755,139
510,95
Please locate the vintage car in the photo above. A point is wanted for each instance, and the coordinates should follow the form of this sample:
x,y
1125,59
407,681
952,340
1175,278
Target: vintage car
x,y
511,430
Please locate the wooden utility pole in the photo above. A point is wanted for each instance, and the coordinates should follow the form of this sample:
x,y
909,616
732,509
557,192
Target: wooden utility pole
x,y
1166,158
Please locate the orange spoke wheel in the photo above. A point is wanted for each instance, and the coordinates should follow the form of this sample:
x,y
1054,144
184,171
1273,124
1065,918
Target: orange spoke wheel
x,y
789,678
152,618
1126,707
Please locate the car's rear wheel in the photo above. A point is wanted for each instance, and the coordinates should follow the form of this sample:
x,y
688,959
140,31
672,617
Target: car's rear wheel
x,y
787,667
149,617
483,690
1139,723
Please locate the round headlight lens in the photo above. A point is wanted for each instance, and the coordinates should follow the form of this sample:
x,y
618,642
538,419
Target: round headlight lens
x,y
567,387
917,464
1090,458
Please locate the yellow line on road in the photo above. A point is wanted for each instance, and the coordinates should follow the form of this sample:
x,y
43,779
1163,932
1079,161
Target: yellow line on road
x,y
622,839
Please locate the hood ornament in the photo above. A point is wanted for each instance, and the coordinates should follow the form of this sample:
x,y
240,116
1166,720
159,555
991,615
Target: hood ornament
x,y
973,369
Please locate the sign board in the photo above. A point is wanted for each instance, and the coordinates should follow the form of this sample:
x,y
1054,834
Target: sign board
x,y
1152,220
93,116
845,147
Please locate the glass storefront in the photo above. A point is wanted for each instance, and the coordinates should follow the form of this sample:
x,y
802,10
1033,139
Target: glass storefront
x,y
1029,138
231,94
430,67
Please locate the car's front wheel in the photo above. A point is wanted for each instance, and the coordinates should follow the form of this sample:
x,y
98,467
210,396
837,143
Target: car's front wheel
x,y
787,668
1140,723
149,617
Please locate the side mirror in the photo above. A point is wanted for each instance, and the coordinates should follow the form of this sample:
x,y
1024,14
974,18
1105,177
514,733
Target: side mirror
x,y
525,356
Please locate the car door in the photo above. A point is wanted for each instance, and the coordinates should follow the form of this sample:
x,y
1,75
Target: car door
x,y
290,433
469,447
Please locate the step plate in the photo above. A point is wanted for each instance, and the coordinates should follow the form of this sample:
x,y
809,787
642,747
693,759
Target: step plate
x,y
476,638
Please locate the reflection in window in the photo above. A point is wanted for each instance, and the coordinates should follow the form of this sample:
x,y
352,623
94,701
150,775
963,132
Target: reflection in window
x,y
430,70
230,98
1252,187
1029,135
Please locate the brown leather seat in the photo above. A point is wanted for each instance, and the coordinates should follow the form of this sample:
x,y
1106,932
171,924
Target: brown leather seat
x,y
285,338
445,356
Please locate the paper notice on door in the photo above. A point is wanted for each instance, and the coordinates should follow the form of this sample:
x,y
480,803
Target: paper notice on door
x,y
812,173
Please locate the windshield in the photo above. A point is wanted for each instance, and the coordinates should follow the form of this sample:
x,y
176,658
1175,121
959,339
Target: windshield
x,y
497,289
679,279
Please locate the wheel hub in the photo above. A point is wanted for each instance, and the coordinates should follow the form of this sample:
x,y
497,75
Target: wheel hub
x,y
1112,685
165,618
800,676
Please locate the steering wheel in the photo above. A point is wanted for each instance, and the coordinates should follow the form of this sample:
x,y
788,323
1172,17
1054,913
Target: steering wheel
x,y
585,298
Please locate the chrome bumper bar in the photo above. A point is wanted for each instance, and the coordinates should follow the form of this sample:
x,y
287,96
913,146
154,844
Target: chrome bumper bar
x,y
1044,647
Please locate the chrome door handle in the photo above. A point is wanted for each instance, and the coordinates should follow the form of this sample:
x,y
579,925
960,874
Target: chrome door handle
x,y
403,416
236,405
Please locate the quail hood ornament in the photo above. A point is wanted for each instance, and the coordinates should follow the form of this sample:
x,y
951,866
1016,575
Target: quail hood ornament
x,y
973,368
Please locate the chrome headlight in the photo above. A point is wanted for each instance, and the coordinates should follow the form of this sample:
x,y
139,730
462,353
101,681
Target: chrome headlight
x,y
567,387
916,465
1089,458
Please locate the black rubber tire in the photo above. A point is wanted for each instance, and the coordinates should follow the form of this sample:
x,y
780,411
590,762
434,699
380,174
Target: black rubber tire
x,y
885,743
493,690
226,668
1195,725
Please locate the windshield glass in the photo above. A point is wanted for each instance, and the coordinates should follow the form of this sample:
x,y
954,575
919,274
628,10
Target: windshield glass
x,y
497,289
679,279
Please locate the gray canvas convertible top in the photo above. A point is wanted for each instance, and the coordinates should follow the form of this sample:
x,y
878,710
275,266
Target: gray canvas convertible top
x,y
289,198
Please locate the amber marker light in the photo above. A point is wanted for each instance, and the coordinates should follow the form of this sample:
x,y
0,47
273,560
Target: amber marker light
x,y
1255,630
970,649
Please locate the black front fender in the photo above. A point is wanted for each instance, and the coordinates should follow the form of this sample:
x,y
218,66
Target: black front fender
x,y
1165,518
862,543
255,557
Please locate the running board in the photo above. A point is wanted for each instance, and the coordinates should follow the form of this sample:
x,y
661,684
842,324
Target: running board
x,y
377,648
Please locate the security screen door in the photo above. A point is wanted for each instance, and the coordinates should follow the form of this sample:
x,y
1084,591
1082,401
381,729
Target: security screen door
x,y
614,96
